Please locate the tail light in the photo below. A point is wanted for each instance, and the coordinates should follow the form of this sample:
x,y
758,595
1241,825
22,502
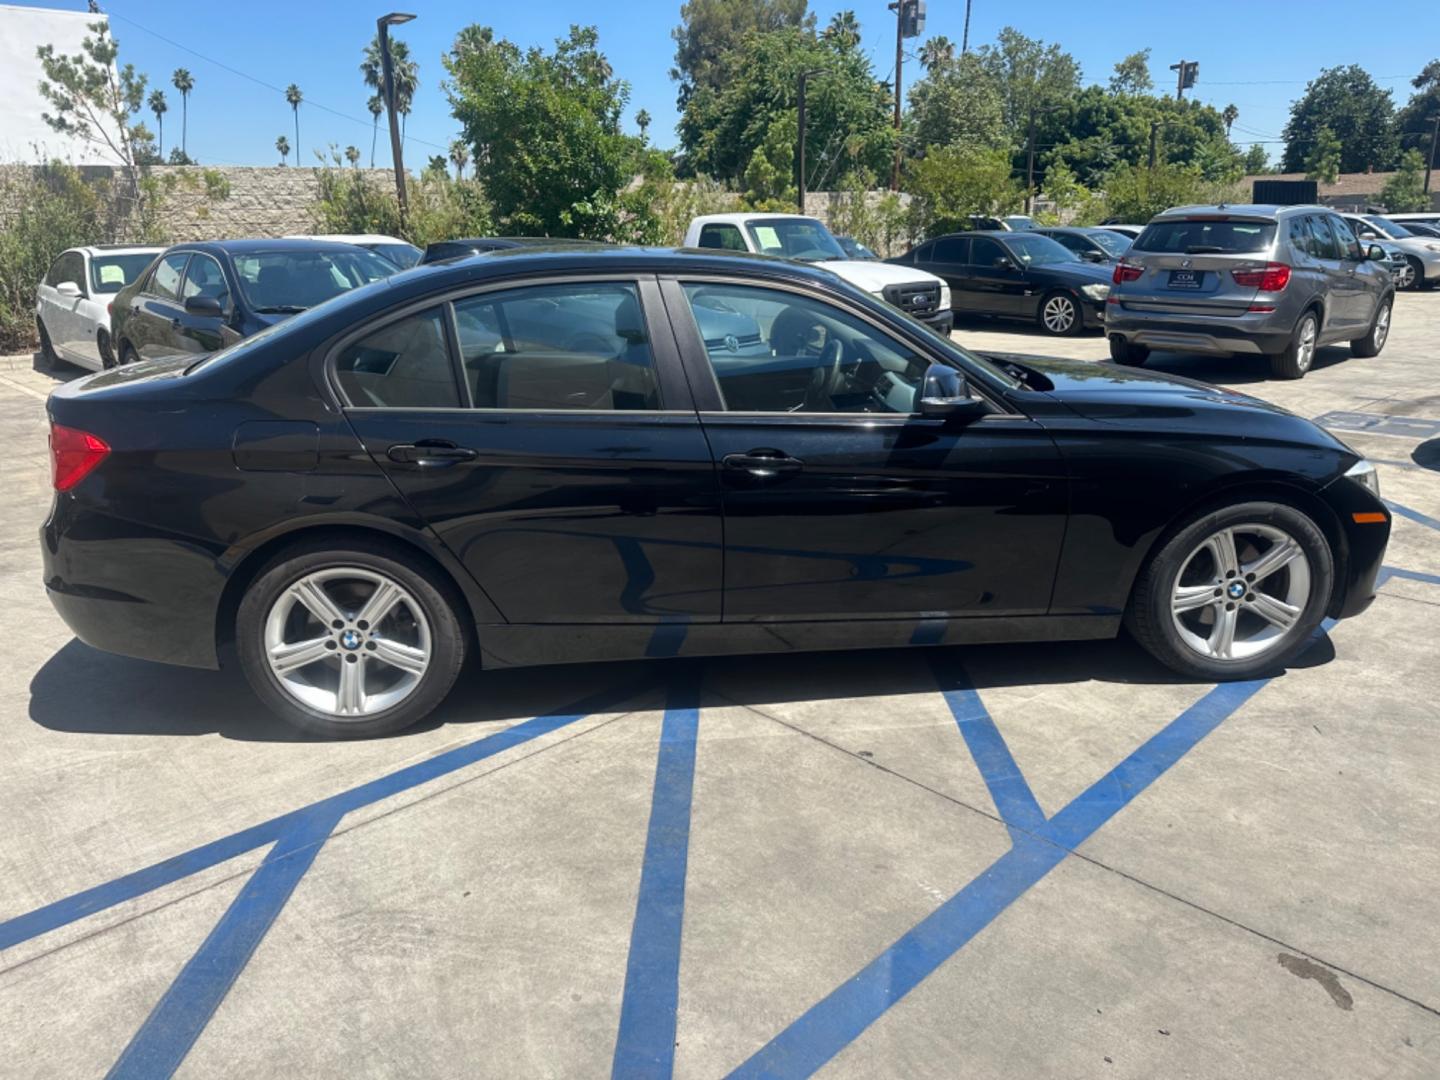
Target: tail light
x,y
1125,271
1273,278
73,455
110,308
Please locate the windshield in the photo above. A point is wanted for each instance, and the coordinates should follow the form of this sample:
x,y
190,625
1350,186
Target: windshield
x,y
1206,236
284,282
402,255
1113,243
794,238
1388,228
1038,250
1020,223
111,273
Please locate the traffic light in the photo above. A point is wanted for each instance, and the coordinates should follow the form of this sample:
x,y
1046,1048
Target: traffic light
x,y
1189,74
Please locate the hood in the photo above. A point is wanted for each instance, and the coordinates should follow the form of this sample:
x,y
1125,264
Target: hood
x,y
873,276
1078,272
1416,245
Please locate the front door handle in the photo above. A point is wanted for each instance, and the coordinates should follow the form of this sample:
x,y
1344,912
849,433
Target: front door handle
x,y
431,453
762,462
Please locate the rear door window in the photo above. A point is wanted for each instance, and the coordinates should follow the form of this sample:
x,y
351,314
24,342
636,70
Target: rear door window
x,y
724,237
951,249
404,365
1203,236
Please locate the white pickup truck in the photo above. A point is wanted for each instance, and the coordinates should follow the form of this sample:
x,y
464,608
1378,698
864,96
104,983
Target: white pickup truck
x,y
794,236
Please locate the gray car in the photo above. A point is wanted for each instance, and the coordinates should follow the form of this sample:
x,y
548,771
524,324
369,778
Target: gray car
x,y
1422,253
1271,281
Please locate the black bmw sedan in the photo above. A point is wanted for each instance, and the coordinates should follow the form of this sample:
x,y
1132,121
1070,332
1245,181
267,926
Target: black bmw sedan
x,y
1016,275
752,456
199,297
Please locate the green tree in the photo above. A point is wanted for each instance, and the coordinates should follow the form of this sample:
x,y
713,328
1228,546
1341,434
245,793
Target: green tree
x,y
950,183
1413,124
544,130
460,155
848,122
938,52
1257,161
1138,193
156,101
1360,115
294,97
282,144
710,30
957,102
376,105
642,121
1405,191
844,30
1030,75
91,99
1229,114
352,155
1322,163
184,82
1132,74
404,71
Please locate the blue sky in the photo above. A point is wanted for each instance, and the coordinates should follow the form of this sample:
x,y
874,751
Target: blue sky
x,y
1256,55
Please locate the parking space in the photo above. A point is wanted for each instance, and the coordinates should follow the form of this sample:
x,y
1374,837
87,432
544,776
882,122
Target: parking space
x,y
997,861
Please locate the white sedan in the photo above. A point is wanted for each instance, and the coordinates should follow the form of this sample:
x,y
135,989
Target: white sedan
x,y
72,304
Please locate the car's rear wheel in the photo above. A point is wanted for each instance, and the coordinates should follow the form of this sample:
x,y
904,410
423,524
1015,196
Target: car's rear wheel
x,y
1416,277
1059,314
1299,355
1374,341
127,353
107,354
1123,352
47,349
1234,592
349,641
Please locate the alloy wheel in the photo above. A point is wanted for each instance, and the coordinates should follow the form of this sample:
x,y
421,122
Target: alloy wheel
x,y
1240,592
348,642
1405,276
1382,326
1059,314
1305,349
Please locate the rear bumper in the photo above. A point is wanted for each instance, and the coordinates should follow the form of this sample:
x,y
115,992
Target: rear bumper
x,y
1258,335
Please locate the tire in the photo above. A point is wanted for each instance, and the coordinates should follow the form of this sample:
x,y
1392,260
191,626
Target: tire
x,y
1379,333
1059,314
1417,274
1122,352
107,354
1185,560
48,354
423,629
1408,276
1299,355
128,354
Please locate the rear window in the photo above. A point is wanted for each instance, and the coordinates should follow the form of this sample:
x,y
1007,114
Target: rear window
x,y
1230,237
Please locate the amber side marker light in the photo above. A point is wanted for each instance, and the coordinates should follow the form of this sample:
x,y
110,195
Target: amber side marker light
x,y
1372,517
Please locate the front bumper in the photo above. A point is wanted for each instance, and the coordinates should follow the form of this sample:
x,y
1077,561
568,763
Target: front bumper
x,y
942,322
1364,546
1092,314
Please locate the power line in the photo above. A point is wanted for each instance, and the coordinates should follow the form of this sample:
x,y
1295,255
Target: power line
x,y
262,82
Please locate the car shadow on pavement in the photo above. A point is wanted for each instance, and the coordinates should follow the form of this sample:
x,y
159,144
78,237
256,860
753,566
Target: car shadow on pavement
x,y
1234,370
60,371
82,690
1020,327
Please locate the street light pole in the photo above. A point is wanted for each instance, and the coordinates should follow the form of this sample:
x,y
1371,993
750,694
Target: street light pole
x,y
382,26
899,9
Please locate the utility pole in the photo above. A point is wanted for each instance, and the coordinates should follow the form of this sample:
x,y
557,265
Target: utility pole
x,y
1187,71
382,26
1030,161
800,179
1434,138
1154,128
909,22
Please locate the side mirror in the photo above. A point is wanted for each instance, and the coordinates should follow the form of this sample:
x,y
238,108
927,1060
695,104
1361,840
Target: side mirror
x,y
205,306
1092,256
68,288
1376,254
1003,263
943,394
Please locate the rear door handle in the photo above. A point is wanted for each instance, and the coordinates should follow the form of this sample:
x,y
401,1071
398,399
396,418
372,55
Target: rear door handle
x,y
431,453
762,462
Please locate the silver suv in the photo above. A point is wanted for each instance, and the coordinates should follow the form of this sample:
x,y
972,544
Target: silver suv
x,y
1273,281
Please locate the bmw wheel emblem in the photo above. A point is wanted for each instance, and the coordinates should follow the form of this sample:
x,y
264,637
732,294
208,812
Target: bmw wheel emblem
x,y
351,639
1236,590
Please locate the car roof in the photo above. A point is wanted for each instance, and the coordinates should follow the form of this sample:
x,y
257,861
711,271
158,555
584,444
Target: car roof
x,y
748,215
256,246
1263,211
119,249
351,238
998,234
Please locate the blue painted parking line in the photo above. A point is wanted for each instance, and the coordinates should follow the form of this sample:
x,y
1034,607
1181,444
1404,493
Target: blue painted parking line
x,y
1388,572
181,1015
645,1045
1414,515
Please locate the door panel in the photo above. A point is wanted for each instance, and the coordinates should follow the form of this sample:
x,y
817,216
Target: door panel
x,y
997,290
156,319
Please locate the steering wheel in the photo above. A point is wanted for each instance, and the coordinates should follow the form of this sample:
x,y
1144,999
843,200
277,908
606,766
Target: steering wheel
x,y
826,379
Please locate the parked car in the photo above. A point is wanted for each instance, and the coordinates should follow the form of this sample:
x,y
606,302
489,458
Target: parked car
x,y
1401,272
359,501
1019,222
1422,253
1430,218
1016,275
854,249
1091,245
1130,232
400,252
197,298
919,294
1423,228
479,245
72,304
1271,281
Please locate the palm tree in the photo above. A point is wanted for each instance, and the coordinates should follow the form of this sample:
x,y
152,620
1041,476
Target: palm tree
x,y
283,145
376,105
642,121
1229,115
159,108
460,155
184,82
352,155
938,52
406,73
294,97
844,29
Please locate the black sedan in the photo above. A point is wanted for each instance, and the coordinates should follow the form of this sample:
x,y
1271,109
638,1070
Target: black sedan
x,y
197,298
405,478
1016,275
1089,245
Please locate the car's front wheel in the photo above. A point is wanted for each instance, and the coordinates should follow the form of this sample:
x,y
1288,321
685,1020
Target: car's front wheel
x,y
47,348
1374,340
1234,592
1416,278
1059,314
349,641
128,355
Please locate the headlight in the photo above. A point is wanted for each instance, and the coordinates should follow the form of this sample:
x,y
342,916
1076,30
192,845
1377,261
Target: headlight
x,y
1096,291
944,297
1363,472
